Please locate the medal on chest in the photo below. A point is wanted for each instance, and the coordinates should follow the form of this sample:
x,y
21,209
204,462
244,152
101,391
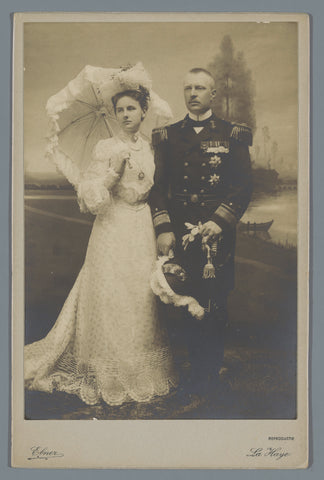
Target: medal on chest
x,y
215,161
214,179
215,152
214,147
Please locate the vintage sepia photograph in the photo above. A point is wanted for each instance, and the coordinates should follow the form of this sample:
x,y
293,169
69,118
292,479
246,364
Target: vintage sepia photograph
x,y
161,219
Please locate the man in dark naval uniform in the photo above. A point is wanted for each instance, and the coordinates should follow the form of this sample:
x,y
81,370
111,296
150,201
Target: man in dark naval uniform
x,y
202,177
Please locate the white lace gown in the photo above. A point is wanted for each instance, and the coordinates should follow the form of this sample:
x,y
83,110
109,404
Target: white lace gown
x,y
107,342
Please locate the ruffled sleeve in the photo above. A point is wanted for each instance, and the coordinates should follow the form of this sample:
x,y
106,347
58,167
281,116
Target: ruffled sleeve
x,y
97,181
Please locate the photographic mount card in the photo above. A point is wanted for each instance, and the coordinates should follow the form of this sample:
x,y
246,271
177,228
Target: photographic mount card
x,y
259,416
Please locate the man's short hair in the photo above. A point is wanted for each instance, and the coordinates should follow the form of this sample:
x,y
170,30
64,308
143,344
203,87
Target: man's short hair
x,y
206,72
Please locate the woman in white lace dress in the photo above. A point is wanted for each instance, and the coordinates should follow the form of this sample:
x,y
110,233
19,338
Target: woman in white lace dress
x,y
107,342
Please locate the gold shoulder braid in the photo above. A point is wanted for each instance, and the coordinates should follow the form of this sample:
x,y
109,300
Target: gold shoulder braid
x,y
242,133
159,135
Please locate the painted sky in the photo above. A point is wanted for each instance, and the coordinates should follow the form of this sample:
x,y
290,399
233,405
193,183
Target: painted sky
x,y
56,52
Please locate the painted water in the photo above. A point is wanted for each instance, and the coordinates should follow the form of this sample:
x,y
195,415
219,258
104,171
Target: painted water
x,y
282,209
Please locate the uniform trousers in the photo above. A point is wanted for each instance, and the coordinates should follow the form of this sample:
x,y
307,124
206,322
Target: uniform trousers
x,y
203,342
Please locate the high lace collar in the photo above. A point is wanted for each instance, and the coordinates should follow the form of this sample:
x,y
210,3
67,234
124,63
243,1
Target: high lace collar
x,y
133,145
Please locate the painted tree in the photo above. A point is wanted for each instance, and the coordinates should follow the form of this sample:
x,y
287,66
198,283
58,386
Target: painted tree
x,y
274,153
257,150
235,90
266,140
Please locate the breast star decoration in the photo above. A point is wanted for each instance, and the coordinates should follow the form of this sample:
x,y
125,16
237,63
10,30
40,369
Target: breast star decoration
x,y
215,161
214,179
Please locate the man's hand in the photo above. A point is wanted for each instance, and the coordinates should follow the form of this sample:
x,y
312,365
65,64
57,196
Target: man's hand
x,y
210,231
165,243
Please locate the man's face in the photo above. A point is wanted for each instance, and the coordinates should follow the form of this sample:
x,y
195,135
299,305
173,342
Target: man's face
x,y
198,92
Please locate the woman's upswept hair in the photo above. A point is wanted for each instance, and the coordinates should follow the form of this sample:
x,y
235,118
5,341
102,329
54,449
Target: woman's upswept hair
x,y
141,95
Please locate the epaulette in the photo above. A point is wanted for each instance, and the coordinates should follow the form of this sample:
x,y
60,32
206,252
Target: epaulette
x,y
242,133
159,135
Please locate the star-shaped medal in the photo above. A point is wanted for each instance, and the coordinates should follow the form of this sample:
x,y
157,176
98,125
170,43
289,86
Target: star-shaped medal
x,y
215,161
214,179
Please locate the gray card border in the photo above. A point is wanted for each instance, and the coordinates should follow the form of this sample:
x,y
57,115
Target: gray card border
x,y
315,9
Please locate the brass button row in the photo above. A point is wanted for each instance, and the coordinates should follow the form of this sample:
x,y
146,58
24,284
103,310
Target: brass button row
x,y
186,177
185,190
194,199
186,164
202,204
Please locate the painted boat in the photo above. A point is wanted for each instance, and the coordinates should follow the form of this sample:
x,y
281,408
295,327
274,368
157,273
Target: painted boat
x,y
255,227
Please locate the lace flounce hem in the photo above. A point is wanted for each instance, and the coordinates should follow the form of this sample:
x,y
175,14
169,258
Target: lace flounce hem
x,y
143,377
112,391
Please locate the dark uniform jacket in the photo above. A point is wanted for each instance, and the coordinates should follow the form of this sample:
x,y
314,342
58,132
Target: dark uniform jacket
x,y
199,177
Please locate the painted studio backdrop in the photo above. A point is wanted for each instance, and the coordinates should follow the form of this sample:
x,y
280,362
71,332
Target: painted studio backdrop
x,y
255,70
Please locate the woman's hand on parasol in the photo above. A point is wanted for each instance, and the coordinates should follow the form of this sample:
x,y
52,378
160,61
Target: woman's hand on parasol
x,y
119,160
116,168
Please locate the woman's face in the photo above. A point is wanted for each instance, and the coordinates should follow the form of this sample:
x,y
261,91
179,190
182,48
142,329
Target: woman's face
x,y
129,114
